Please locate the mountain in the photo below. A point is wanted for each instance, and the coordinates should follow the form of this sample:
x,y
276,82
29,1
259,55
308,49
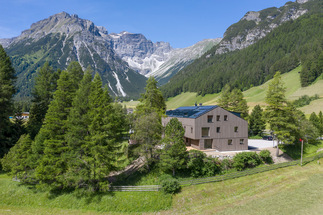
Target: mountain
x,y
250,62
63,38
141,54
256,25
156,59
180,58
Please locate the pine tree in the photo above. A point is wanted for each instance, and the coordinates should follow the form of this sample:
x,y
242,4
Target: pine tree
x,y
233,101
315,120
77,135
224,99
174,154
279,113
16,161
147,133
321,119
7,90
45,86
152,100
238,103
257,123
103,150
50,144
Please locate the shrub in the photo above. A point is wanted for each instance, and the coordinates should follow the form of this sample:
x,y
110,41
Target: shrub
x,y
196,163
227,164
266,157
212,166
170,186
245,160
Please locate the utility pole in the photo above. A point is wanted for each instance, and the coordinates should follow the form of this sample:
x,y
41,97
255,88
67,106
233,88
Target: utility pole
x,y
302,151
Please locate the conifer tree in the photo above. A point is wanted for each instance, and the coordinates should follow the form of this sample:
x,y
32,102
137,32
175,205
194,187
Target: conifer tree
x,y
238,103
224,99
152,100
16,161
257,123
103,149
315,120
147,133
50,144
279,113
321,120
7,90
174,154
45,86
77,135
233,101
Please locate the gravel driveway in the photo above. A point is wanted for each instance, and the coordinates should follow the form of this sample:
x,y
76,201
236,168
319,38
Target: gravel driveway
x,y
260,144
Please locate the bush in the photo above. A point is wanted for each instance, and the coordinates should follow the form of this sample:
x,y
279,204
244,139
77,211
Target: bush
x,y
245,160
196,163
212,166
266,157
170,186
226,164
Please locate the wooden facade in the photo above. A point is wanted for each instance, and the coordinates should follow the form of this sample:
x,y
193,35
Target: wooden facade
x,y
214,128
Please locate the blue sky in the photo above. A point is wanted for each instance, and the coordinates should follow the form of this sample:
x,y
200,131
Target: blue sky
x,y
182,23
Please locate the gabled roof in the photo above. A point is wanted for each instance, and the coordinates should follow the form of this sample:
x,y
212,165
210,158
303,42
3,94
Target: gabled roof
x,y
190,111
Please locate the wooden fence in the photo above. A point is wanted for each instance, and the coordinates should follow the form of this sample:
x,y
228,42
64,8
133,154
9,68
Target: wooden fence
x,y
216,178
247,172
136,188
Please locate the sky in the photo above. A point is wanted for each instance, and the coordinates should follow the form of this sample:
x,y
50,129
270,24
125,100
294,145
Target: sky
x,y
182,23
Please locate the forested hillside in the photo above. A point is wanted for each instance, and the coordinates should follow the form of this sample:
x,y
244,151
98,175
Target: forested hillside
x,y
293,43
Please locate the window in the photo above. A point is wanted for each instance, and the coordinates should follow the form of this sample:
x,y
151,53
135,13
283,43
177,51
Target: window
x,y
191,129
205,132
210,118
217,117
225,117
217,129
229,142
236,129
241,141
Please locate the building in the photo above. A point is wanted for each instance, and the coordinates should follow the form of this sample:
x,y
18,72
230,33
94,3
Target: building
x,y
211,127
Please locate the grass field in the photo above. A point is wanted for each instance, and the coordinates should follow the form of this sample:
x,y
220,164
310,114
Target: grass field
x,y
291,190
256,95
14,196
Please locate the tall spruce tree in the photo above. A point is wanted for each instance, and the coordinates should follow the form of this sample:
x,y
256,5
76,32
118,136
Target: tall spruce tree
x,y
279,113
320,115
7,90
233,101
257,123
152,100
174,154
238,103
103,150
224,99
45,86
77,135
16,162
147,133
315,120
50,144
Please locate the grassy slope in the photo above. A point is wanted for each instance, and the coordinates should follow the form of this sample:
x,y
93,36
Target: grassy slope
x,y
256,95
291,190
21,198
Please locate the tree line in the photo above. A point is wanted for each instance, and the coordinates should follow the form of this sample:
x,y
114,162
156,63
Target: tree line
x,y
294,43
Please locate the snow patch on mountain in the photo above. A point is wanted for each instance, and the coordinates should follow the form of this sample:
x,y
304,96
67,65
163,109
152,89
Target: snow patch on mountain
x,y
118,85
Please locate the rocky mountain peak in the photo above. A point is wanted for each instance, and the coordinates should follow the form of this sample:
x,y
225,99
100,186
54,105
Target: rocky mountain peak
x,y
62,23
301,1
252,16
